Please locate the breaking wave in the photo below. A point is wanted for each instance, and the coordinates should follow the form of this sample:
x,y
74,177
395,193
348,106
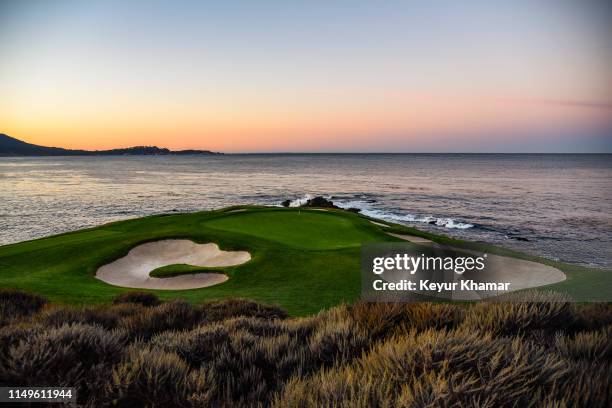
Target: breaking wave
x,y
366,209
300,201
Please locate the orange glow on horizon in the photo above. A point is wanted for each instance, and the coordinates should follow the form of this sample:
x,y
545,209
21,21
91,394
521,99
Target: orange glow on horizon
x,y
422,120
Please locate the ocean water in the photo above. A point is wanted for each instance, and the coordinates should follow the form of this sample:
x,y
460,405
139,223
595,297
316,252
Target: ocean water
x,y
556,206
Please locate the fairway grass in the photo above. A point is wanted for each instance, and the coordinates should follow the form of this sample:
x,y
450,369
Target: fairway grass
x,y
303,260
169,271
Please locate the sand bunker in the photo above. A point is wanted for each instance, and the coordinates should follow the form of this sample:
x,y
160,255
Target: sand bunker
x,y
132,271
412,238
520,273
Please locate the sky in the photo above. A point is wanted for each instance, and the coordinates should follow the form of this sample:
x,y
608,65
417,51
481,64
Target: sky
x,y
309,76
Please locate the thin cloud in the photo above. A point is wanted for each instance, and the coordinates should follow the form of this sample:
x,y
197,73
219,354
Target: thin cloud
x,y
599,105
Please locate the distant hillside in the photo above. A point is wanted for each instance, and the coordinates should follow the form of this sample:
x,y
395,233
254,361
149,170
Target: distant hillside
x,y
9,146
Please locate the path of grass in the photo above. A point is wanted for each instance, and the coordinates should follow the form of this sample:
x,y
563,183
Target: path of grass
x,y
169,271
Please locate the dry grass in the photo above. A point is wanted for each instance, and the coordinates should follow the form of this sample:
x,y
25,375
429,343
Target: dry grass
x,y
139,298
16,305
139,352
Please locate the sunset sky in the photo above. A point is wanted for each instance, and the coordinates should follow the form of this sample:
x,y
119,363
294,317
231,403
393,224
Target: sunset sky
x,y
253,76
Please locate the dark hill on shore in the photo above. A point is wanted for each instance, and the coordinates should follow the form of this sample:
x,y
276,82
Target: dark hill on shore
x,y
9,146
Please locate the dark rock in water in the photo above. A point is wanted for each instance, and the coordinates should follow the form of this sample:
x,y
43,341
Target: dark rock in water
x,y
320,202
432,222
519,238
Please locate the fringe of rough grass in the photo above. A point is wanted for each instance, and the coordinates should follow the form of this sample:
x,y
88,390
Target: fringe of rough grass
x,y
141,352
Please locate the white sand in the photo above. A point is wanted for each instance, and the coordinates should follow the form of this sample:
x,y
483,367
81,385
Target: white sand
x,y
132,271
412,238
520,273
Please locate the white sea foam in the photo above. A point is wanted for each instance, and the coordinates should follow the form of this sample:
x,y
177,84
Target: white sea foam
x,y
366,209
301,201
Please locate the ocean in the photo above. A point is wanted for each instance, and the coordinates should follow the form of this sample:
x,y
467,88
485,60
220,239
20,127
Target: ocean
x,y
556,206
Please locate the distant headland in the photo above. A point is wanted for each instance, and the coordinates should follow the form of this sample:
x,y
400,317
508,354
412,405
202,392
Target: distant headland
x,y
9,146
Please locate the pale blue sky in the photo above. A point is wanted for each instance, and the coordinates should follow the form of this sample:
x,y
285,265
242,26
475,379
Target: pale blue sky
x,y
372,75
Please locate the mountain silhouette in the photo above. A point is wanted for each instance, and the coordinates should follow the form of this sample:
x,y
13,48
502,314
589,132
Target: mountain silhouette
x,y
9,146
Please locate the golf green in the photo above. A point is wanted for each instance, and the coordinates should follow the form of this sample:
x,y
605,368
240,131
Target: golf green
x,y
302,259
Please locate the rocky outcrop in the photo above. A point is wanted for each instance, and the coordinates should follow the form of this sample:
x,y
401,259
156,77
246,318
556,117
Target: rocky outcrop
x,y
319,202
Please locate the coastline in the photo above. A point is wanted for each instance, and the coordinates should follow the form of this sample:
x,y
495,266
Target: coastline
x,y
511,201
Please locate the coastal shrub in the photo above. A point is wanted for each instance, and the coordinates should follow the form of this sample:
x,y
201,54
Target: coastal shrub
x,y
587,384
196,346
592,316
139,298
105,316
257,326
433,315
204,343
72,355
535,311
122,310
238,367
238,370
224,309
432,368
383,319
175,315
301,328
16,304
58,316
234,353
150,378
12,335
336,338
378,319
593,345
248,359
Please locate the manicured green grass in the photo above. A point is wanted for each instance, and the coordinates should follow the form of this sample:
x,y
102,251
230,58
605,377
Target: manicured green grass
x,y
299,229
582,284
303,260
182,269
